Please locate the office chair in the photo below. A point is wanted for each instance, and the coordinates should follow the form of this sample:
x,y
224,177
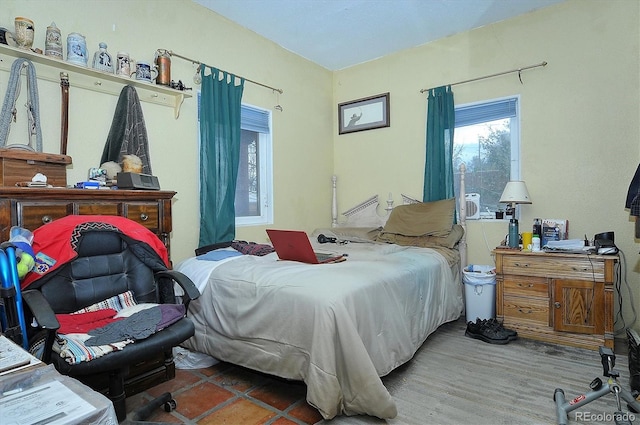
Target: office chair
x,y
109,262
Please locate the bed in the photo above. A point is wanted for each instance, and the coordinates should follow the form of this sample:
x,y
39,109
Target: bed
x,y
337,327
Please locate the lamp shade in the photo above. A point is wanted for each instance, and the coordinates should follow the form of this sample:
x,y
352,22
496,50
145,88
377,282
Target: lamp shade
x,y
515,192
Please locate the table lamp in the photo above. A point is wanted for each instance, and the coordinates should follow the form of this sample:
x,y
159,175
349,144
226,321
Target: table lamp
x,y
515,192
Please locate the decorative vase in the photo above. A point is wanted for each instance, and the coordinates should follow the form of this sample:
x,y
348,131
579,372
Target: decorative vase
x,y
102,59
25,30
77,49
53,42
163,64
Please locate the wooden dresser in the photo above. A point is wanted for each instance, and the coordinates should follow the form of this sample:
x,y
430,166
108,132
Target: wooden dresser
x,y
558,298
31,208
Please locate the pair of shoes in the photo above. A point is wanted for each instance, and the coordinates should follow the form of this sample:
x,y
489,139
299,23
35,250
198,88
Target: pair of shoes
x,y
494,323
490,331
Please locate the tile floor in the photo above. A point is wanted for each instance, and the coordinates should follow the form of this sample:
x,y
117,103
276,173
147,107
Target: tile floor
x,y
228,394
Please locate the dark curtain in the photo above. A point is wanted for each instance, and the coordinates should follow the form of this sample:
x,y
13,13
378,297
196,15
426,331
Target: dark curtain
x,y
438,170
220,105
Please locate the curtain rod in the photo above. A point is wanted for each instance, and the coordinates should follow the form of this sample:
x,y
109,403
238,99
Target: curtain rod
x,y
172,53
519,70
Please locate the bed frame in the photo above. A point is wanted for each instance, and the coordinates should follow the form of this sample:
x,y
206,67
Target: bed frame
x,y
365,214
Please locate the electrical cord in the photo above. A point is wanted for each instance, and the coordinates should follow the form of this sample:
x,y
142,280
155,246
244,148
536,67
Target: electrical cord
x,y
621,276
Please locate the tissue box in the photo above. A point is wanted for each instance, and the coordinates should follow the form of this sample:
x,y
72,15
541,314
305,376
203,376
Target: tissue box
x,y
17,167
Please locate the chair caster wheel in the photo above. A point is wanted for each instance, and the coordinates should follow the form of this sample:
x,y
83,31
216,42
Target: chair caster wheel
x,y
170,405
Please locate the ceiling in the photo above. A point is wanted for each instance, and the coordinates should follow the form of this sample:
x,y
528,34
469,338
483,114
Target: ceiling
x,y
337,34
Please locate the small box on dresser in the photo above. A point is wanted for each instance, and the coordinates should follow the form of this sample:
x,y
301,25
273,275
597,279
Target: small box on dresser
x,y
20,166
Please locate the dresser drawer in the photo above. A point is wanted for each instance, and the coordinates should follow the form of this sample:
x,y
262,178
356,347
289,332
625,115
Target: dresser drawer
x,y
145,213
524,308
526,286
32,215
549,266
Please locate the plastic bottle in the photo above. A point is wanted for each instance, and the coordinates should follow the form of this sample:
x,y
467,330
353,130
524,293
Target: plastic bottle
x,y
537,227
514,236
535,243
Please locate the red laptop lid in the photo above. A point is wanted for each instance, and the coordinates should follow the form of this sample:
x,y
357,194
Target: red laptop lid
x,y
292,245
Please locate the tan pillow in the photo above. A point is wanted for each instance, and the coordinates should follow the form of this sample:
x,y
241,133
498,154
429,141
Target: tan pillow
x,y
424,218
449,241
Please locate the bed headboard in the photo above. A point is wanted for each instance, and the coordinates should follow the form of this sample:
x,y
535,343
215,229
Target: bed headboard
x,y
365,214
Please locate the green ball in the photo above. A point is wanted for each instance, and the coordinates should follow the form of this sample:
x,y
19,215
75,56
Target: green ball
x,y
25,264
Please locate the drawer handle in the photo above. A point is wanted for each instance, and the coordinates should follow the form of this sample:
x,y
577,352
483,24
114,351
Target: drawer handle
x,y
525,311
557,304
528,286
46,219
521,265
578,269
144,217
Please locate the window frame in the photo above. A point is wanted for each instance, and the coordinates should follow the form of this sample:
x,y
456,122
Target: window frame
x,y
514,129
265,166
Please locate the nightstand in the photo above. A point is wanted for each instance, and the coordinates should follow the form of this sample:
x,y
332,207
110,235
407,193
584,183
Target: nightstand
x,y
561,298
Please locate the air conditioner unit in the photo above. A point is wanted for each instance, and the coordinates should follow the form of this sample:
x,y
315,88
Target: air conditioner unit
x,y
473,206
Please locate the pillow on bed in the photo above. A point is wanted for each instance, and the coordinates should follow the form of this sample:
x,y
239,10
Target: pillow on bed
x,y
425,241
351,234
422,219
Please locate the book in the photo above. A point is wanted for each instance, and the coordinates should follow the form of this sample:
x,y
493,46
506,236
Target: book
x,y
13,357
554,229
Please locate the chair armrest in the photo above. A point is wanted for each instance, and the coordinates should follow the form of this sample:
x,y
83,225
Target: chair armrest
x,y
187,285
41,310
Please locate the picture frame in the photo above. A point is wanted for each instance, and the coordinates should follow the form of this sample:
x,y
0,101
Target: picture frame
x,y
364,114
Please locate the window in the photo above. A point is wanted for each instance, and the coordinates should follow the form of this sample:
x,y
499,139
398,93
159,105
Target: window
x,y
253,189
254,200
487,140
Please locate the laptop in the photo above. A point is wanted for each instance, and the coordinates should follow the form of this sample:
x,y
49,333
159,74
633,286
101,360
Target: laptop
x,y
294,245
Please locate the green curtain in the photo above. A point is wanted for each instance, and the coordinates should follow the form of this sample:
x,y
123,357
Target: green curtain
x,y
438,170
220,103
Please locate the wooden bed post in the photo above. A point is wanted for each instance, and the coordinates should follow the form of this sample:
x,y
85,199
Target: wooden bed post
x,y
462,245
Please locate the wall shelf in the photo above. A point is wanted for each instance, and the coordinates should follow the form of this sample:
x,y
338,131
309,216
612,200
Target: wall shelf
x,y
93,79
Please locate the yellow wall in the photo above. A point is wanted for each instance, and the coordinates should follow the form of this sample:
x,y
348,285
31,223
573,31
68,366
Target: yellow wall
x,y
303,151
580,115
580,127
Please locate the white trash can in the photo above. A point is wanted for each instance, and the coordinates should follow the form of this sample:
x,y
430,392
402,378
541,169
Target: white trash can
x,y
479,292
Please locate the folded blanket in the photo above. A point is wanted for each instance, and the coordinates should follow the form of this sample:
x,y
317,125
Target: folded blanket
x,y
71,348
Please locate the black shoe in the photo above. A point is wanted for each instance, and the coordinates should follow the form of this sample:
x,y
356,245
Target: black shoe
x,y
480,330
494,323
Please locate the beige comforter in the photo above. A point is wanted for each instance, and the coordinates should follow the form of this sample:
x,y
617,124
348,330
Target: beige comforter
x,y
338,327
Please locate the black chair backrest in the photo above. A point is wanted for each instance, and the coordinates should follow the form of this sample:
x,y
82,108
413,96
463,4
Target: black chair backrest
x,y
106,266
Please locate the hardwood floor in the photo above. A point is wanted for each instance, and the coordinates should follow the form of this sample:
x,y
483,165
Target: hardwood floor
x,y
452,379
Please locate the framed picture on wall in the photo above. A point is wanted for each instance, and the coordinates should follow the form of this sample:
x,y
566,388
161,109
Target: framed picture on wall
x,y
363,114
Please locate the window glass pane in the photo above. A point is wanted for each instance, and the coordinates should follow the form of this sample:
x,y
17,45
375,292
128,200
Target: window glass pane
x,y
247,188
